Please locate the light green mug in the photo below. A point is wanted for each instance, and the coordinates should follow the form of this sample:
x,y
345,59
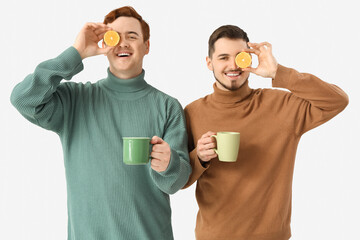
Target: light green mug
x,y
136,150
228,144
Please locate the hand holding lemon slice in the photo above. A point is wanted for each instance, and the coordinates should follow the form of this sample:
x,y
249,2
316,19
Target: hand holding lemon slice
x,y
111,38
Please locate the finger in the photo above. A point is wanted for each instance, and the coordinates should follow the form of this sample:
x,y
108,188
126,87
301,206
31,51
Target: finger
x,y
260,47
253,45
161,148
207,140
202,147
210,146
101,31
104,50
267,44
91,25
263,48
93,28
155,162
249,69
157,155
212,156
158,168
155,167
206,153
102,24
156,140
101,36
251,50
99,25
97,29
208,134
208,157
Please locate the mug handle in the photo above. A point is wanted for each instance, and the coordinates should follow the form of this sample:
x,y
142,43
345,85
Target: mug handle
x,y
216,151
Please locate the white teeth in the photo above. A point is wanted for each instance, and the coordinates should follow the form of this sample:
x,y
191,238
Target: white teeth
x,y
123,54
232,74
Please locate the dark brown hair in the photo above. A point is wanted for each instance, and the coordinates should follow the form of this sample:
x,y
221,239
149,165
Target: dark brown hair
x,y
226,31
128,12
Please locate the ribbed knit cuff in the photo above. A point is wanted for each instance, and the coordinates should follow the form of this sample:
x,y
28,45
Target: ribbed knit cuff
x,y
197,162
282,77
72,60
174,165
174,177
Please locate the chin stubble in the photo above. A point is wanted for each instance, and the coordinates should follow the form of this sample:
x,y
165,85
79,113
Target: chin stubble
x,y
233,86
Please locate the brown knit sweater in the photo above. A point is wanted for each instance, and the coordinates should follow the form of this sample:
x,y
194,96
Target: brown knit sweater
x,y
251,198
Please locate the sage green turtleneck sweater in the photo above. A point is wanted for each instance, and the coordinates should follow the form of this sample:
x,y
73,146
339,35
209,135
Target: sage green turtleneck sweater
x,y
107,199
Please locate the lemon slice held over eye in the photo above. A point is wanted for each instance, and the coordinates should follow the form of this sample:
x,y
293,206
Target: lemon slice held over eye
x,y
111,38
243,60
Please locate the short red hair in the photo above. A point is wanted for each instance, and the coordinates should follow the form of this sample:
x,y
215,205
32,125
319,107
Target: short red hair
x,y
128,12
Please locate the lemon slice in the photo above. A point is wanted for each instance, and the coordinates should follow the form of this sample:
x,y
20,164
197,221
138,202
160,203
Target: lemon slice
x,y
111,38
243,60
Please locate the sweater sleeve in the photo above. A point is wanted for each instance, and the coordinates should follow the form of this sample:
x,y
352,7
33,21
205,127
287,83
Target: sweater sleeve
x,y
39,98
197,168
178,171
312,101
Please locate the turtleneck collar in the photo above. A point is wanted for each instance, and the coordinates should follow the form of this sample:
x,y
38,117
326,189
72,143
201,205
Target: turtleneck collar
x,y
236,96
125,89
125,85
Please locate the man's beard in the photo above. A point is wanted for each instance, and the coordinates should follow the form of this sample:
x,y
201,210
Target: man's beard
x,y
233,87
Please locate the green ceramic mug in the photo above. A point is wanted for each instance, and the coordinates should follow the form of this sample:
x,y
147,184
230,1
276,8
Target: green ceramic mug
x,y
228,144
136,150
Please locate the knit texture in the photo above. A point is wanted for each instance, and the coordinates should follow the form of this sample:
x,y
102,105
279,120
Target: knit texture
x,y
107,199
251,198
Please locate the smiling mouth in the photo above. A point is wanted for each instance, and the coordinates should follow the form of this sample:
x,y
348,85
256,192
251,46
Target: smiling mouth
x,y
233,74
124,55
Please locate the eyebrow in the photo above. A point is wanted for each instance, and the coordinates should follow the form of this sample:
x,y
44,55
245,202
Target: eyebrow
x,y
132,32
223,55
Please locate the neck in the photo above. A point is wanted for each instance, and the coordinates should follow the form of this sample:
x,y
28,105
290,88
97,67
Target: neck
x,y
126,74
221,86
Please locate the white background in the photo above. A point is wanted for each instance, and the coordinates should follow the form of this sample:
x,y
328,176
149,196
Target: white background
x,y
320,37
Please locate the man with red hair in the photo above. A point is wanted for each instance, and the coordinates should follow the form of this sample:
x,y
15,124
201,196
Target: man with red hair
x,y
106,198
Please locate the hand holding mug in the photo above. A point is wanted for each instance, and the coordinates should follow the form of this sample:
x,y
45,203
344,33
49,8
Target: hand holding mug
x,y
161,154
205,147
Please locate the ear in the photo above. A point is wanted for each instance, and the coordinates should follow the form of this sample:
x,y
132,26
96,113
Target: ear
x,y
147,45
209,63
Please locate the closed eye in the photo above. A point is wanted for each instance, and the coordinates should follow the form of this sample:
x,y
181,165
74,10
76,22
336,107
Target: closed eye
x,y
132,35
223,56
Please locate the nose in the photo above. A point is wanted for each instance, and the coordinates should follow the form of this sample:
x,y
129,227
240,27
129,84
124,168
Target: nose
x,y
232,64
123,43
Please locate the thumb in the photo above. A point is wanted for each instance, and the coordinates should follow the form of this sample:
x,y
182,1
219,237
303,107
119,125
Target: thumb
x,y
156,140
104,50
249,69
